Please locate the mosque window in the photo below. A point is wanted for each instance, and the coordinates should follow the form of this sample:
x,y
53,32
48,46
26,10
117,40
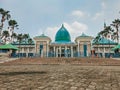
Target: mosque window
x,y
30,49
41,46
106,49
25,49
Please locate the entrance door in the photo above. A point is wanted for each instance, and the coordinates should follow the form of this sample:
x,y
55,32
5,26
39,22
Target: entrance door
x,y
40,50
62,52
85,50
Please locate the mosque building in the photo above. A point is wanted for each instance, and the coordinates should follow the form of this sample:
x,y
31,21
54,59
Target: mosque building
x,y
63,46
82,46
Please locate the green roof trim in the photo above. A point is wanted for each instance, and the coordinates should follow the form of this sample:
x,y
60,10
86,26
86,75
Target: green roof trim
x,y
41,36
83,36
63,42
23,43
8,46
116,47
105,41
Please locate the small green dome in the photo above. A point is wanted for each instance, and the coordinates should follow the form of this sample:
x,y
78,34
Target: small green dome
x,y
62,35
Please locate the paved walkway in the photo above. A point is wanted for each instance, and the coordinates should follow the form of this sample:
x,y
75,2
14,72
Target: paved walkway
x,y
6,59
59,77
116,58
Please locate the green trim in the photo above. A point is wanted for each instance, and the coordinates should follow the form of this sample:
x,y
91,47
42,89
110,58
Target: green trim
x,y
8,46
41,36
84,36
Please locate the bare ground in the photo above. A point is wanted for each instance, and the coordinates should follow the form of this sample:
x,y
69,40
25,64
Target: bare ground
x,y
60,74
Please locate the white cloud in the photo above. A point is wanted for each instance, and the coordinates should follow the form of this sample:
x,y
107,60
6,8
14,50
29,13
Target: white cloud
x,y
99,16
77,13
103,4
75,29
51,32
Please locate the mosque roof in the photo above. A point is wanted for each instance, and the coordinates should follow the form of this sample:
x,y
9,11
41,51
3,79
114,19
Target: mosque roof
x,y
62,36
105,41
62,42
83,36
23,42
42,36
8,46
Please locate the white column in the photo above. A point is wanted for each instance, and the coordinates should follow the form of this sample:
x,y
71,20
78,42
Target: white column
x,y
47,49
60,50
28,50
66,54
78,50
71,51
54,51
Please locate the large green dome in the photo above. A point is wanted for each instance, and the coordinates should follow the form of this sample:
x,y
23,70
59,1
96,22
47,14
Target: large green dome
x,y
62,35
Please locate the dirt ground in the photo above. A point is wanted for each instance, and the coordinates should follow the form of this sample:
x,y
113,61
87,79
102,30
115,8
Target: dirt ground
x,y
58,61
60,74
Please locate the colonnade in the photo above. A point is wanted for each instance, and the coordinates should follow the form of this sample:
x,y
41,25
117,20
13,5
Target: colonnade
x,y
63,51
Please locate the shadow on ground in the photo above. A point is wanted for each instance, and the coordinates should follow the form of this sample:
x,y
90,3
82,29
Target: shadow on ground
x,y
20,73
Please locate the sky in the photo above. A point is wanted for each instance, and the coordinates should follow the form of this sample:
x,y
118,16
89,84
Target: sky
x,y
46,16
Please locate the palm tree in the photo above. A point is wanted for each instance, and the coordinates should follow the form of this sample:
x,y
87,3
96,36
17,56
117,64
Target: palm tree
x,y
25,37
13,24
30,41
5,34
116,25
5,16
19,38
109,31
13,37
96,41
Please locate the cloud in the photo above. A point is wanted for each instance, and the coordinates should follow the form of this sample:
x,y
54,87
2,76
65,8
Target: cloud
x,y
99,16
51,32
75,29
104,6
77,13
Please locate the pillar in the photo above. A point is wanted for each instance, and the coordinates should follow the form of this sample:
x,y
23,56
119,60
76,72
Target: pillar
x,y
71,51
54,51
60,50
47,49
78,50
66,53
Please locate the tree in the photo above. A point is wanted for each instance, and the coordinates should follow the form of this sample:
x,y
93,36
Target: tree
x,y
5,35
25,37
13,37
96,40
12,24
30,41
19,39
109,31
5,16
116,25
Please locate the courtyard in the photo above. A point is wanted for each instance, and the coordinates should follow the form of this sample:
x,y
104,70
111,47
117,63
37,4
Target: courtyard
x,y
60,74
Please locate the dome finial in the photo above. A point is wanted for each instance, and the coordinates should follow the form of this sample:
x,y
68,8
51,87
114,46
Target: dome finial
x,y
62,25
104,24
